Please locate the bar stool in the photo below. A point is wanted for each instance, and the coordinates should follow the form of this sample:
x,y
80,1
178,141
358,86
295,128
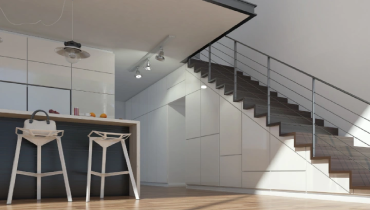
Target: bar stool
x,y
105,140
39,133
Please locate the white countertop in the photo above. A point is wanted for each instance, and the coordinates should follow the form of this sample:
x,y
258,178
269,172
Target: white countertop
x,y
66,118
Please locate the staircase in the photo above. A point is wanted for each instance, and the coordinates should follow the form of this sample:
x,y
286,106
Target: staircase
x,y
342,155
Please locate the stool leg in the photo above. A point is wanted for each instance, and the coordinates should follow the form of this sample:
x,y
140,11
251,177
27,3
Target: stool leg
x,y
130,169
103,172
14,170
89,171
38,172
64,169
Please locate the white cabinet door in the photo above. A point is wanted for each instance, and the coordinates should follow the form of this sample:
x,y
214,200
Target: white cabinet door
x,y
231,129
49,98
144,147
13,96
13,70
210,112
210,160
192,110
193,161
92,81
99,60
93,102
13,45
231,171
49,75
43,50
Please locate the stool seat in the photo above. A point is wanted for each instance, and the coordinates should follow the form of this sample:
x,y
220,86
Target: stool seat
x,y
38,133
106,139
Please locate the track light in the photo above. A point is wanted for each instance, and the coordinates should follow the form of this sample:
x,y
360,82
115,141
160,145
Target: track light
x,y
160,55
203,86
147,67
138,75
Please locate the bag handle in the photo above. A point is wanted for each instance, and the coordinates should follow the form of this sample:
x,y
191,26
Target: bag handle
x,y
34,113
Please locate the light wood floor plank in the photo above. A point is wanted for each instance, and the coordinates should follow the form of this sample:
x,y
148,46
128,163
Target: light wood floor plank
x,y
183,199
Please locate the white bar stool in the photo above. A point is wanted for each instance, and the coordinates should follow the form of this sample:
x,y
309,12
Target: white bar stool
x,y
39,133
105,140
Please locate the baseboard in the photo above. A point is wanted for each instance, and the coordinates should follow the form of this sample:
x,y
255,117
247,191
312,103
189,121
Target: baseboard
x,y
163,184
307,195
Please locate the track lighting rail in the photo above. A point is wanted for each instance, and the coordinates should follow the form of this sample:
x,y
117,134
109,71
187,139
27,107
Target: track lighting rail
x,y
153,51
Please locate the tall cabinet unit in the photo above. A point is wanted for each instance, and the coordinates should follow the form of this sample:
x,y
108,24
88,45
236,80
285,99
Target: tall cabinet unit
x,y
33,76
159,108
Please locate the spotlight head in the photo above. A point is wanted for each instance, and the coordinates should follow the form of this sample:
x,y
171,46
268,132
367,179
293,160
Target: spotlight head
x,y
147,67
160,56
138,74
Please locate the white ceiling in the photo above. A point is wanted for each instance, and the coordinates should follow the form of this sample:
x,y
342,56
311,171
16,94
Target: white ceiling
x,y
129,28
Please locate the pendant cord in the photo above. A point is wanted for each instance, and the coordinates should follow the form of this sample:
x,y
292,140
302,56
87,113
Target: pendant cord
x,y
72,20
37,22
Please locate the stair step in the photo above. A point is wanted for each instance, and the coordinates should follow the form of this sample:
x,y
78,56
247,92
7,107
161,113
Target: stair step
x,y
289,128
276,118
242,94
303,139
260,110
249,101
337,164
360,180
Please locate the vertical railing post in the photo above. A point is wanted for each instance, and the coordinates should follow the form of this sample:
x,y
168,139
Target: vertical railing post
x,y
209,63
268,91
313,119
235,71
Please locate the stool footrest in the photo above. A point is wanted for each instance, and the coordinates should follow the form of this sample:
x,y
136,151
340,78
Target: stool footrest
x,y
108,174
39,174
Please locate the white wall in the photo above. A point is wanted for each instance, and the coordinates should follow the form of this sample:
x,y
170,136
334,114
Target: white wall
x,y
30,65
316,37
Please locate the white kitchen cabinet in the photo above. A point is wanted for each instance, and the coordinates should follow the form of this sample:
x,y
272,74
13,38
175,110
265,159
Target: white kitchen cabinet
x,y
99,60
93,102
13,96
49,75
13,45
43,50
48,98
13,70
92,81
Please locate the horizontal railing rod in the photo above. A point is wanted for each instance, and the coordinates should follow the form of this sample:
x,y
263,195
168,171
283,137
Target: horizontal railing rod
x,y
305,73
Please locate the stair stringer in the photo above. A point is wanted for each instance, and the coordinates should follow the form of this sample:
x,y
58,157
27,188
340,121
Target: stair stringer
x,y
317,177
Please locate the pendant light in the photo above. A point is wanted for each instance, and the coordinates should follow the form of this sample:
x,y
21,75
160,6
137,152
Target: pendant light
x,y
72,50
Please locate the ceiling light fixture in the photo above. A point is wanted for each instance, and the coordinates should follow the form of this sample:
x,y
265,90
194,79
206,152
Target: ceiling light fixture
x,y
203,86
160,55
72,50
138,75
147,67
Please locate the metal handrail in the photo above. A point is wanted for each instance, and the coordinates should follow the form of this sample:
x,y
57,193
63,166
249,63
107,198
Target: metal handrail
x,y
303,72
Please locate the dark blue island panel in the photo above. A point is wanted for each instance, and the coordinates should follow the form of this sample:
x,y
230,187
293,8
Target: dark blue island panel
x,y
75,147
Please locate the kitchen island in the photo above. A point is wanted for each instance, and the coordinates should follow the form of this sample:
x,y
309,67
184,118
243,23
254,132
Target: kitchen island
x,y
75,146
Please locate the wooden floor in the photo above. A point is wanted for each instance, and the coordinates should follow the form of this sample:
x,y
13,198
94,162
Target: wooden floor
x,y
181,198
